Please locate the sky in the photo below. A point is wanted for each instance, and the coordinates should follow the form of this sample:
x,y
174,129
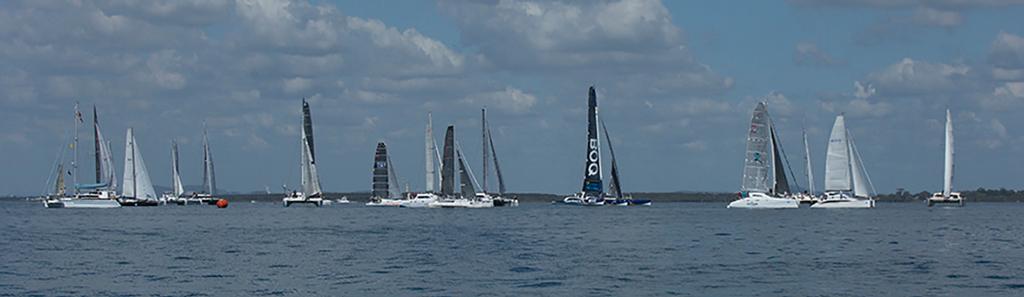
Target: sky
x,y
676,81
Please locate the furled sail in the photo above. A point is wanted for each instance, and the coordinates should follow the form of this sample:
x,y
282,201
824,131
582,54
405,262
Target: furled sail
x,y
837,162
381,183
592,184
136,178
947,174
448,163
781,185
757,162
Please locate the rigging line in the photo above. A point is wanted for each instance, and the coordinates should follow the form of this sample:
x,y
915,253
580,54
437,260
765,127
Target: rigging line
x,y
861,162
792,174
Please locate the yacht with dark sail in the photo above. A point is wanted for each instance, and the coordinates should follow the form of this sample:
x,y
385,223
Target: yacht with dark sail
x,y
764,176
467,197
489,155
138,188
102,193
947,196
617,197
385,181
311,192
592,193
846,181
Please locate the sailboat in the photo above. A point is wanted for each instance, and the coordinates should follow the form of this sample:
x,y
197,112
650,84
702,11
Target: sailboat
x,y
431,157
615,189
764,177
310,192
467,197
177,188
138,188
947,195
592,193
97,195
807,197
488,152
208,195
385,187
846,182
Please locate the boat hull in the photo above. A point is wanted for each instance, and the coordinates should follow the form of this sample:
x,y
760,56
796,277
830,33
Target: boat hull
x,y
417,203
385,203
82,203
845,203
764,203
138,202
313,201
947,201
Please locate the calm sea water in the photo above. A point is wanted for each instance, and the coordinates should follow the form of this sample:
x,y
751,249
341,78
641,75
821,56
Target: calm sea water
x,y
687,249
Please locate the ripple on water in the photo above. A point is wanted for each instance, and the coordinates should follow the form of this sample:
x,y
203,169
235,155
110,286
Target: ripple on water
x,y
546,284
523,269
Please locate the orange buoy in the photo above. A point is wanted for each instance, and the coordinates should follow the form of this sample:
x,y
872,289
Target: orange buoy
x,y
222,203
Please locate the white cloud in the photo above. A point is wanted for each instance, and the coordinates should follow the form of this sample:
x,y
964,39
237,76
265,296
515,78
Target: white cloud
x,y
1007,52
510,100
910,77
296,85
809,54
935,17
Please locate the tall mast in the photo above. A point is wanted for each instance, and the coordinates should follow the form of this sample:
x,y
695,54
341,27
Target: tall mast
x,y
483,142
74,162
947,177
807,161
429,155
135,182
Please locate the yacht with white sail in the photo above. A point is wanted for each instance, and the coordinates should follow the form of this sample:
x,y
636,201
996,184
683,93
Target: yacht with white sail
x,y
467,197
808,196
592,193
138,188
177,188
385,181
431,158
764,178
489,155
97,195
311,192
209,192
947,196
846,180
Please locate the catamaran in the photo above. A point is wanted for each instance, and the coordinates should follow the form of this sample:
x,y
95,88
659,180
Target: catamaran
x,y
764,177
311,192
385,180
431,158
947,195
208,195
177,188
97,195
617,197
488,151
808,196
846,181
138,188
592,193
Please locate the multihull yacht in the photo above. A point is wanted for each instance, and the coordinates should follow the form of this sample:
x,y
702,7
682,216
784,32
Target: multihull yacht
x,y
947,195
764,177
208,195
467,197
617,197
97,195
592,193
489,155
807,197
846,182
311,192
385,181
177,188
138,188
431,158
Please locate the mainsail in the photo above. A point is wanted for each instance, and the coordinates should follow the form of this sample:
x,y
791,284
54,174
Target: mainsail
x,y
807,161
381,183
310,179
616,187
490,154
592,184
209,179
176,186
430,155
105,175
947,174
448,163
781,185
136,178
497,168
757,162
394,191
837,163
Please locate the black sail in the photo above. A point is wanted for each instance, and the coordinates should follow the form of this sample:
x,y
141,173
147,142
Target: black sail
x,y
307,125
448,163
465,181
97,145
497,168
616,187
592,185
380,171
781,184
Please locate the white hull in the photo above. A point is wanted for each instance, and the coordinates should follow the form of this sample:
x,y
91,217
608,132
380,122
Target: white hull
x,y
762,201
386,203
82,203
421,200
953,198
845,203
299,198
342,201
579,199
461,203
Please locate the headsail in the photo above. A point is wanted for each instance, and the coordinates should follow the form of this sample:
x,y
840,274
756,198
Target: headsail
x,y
616,187
176,186
807,161
757,162
497,167
860,183
136,178
448,163
381,183
466,181
947,174
592,184
209,178
394,191
781,185
490,154
59,188
837,163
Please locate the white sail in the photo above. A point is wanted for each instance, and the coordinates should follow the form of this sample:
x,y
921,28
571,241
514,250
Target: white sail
x,y
947,177
209,177
860,184
394,191
136,178
431,151
108,176
176,186
310,180
807,161
758,161
837,163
